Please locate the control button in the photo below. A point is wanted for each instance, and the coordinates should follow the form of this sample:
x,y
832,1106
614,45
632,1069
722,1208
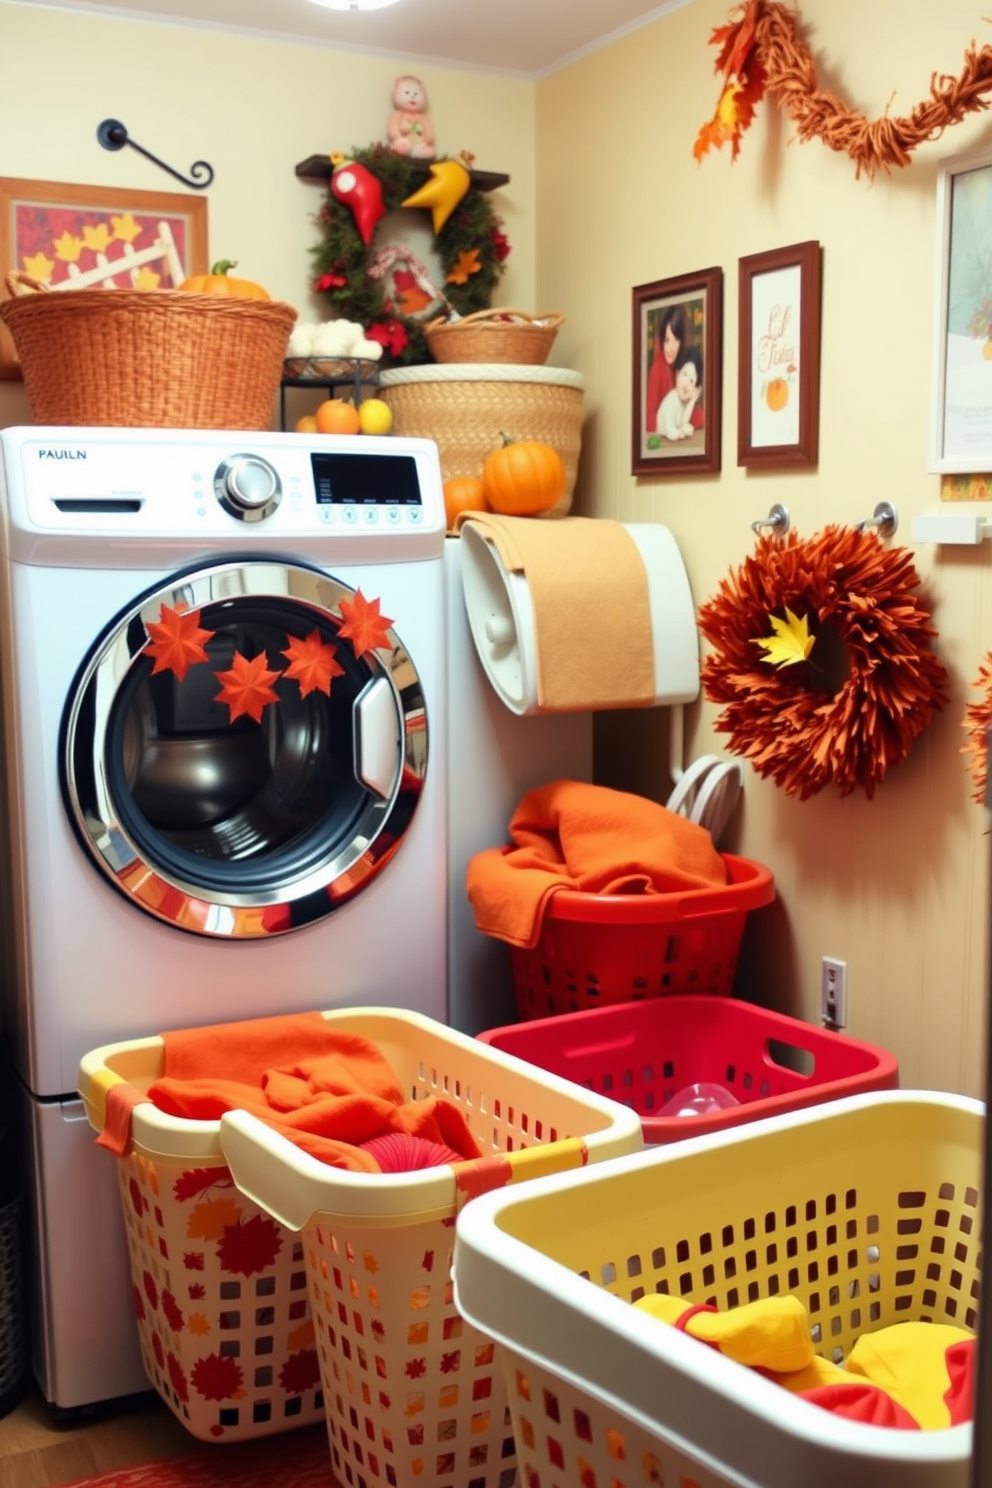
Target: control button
x,y
371,514
326,514
415,514
393,516
349,514
247,487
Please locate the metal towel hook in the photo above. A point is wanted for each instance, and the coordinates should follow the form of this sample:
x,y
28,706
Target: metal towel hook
x,y
113,135
885,519
777,519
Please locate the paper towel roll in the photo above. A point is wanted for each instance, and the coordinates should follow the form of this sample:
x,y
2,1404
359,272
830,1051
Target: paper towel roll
x,y
505,625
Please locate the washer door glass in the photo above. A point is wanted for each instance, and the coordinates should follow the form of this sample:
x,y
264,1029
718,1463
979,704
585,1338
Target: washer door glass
x,y
243,750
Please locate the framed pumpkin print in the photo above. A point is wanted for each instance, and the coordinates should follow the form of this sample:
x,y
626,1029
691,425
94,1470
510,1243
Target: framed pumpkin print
x,y
778,388
677,373
74,236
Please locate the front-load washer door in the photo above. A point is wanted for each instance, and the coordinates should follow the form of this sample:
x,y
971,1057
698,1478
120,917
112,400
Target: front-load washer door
x,y
243,749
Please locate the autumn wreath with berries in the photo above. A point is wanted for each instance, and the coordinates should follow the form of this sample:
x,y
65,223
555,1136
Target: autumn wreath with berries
x,y
471,246
822,660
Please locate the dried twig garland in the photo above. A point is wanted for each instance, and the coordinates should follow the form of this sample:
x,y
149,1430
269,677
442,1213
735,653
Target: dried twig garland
x,y
870,685
978,721
762,50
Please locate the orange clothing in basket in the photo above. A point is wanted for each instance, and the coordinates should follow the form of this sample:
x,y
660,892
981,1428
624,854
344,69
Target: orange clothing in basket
x,y
571,835
325,1089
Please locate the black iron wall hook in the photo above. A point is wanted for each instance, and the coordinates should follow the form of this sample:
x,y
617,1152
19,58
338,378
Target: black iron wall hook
x,y
114,136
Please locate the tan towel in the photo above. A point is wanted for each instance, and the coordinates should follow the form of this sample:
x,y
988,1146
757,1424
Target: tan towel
x,y
592,617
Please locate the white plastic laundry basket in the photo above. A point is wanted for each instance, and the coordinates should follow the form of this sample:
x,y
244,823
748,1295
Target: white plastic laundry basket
x,y
867,1209
413,1394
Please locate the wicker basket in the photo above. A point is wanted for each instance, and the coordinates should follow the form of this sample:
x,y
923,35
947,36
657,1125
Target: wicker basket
x,y
147,358
466,407
494,336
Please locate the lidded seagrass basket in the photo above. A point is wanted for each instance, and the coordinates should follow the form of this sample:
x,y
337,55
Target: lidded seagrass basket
x,y
147,358
467,407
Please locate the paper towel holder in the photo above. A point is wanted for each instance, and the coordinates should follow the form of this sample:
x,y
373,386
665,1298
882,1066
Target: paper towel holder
x,y
504,630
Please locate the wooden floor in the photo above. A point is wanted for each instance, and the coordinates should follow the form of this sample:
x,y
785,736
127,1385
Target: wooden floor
x,y
38,1452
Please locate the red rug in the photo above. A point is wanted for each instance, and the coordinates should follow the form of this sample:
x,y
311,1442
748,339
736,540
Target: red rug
x,y
293,1459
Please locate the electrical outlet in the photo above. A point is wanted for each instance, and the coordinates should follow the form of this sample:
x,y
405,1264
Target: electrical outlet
x,y
833,993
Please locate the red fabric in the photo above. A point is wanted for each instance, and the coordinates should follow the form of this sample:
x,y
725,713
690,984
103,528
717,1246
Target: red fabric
x,y
398,1152
861,1402
327,1090
959,1396
572,835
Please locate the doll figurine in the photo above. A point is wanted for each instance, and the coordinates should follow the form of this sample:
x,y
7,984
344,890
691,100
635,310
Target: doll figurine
x,y
410,131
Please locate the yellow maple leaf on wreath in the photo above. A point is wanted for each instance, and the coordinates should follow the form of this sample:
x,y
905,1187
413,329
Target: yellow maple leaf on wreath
x,y
791,642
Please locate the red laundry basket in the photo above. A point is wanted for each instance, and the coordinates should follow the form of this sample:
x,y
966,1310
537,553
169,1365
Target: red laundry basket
x,y
599,949
645,1053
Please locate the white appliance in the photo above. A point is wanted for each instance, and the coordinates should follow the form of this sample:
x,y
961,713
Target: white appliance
x,y
223,683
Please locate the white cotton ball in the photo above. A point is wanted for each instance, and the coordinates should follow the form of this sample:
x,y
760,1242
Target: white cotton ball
x,y
370,351
301,339
328,340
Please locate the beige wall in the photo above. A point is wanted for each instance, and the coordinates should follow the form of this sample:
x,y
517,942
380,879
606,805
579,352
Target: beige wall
x,y
253,108
604,195
897,887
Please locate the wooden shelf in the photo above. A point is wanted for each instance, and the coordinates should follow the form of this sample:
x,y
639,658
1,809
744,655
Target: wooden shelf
x,y
318,168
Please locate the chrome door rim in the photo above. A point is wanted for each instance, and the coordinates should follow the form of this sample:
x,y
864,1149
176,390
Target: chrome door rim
x,y
177,898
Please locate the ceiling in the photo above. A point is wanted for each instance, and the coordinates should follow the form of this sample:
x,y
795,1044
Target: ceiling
x,y
522,38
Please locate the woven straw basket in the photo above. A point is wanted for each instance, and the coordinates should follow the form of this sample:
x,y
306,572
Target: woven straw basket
x,y
147,358
487,336
467,407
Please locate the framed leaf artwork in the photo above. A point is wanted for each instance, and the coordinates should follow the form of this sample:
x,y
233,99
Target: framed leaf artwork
x,y
74,237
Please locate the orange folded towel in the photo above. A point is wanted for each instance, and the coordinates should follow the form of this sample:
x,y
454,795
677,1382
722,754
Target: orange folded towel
x,y
325,1089
572,835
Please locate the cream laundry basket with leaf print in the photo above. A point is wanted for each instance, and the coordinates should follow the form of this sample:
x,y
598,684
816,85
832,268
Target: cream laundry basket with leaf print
x,y
220,1292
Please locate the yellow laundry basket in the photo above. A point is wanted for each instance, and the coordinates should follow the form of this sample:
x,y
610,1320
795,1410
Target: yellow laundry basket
x,y
413,1394
867,1209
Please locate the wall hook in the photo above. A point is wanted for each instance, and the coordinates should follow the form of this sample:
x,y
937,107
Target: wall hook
x,y
114,136
884,518
778,520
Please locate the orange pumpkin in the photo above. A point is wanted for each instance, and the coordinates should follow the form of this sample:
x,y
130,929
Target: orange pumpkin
x,y
462,493
221,282
777,394
523,478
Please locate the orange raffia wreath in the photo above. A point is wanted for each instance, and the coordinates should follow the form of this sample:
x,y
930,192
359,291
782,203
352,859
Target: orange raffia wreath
x,y
761,50
978,721
870,684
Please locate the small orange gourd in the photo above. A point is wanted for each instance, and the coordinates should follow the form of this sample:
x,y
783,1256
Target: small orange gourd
x,y
523,478
220,281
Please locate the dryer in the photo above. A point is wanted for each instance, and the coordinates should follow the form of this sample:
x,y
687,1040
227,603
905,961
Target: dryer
x,y
223,679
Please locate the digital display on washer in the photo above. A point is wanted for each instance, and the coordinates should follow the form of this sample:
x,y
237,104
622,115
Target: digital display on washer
x,y
365,480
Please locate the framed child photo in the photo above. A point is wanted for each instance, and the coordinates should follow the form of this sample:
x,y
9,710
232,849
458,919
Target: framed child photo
x,y
677,374
778,387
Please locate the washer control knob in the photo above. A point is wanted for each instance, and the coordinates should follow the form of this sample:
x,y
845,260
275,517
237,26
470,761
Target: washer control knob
x,y
248,487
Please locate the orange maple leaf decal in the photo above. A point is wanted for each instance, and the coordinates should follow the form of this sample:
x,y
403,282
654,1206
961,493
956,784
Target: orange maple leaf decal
x,y
363,625
743,83
177,640
247,686
312,663
465,265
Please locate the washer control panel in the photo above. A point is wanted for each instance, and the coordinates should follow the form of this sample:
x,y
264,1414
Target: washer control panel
x,y
136,487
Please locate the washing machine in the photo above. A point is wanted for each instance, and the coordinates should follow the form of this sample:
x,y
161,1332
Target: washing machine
x,y
223,687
